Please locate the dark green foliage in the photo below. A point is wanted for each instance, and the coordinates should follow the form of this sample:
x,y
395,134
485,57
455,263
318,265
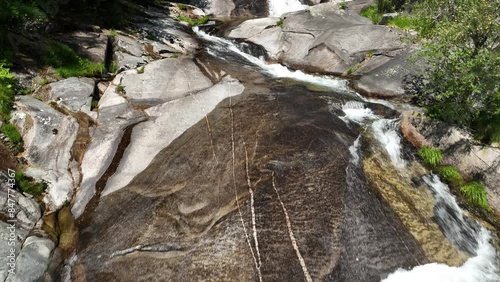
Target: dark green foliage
x,y
451,175
11,131
19,10
94,105
27,185
430,156
343,5
183,7
476,193
120,89
280,22
461,84
67,63
372,13
6,92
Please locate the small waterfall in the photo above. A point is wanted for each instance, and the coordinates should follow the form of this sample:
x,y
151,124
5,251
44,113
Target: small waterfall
x,y
357,112
279,7
464,233
386,132
220,48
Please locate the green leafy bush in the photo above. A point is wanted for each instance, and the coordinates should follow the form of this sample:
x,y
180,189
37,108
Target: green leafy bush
x,y
27,185
6,92
280,22
343,5
372,13
404,22
19,10
451,175
460,85
11,131
476,193
431,156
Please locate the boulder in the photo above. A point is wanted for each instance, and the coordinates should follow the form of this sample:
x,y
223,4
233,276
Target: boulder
x,y
33,260
48,138
384,76
346,35
167,122
115,115
327,40
27,213
164,80
75,94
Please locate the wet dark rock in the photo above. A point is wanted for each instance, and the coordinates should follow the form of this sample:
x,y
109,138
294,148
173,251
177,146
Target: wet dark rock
x,y
188,206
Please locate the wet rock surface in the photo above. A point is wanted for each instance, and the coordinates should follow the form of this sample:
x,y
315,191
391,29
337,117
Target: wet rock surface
x,y
265,175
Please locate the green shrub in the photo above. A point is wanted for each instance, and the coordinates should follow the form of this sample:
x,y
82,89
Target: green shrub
x,y
140,70
385,6
6,92
183,7
27,185
403,22
451,175
67,63
372,13
431,156
11,131
113,68
476,193
460,83
113,33
193,22
19,10
120,89
94,104
343,5
280,22
174,56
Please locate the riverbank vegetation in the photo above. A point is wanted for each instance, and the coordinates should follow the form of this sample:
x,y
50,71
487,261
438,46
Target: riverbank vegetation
x,y
460,46
473,191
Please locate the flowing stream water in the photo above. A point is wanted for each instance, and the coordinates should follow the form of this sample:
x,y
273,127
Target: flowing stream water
x,y
463,232
279,7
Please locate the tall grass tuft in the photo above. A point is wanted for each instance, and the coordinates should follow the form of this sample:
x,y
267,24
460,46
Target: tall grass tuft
x,y
476,193
451,175
431,156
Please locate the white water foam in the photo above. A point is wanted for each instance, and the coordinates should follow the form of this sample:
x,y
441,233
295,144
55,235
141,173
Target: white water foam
x,y
385,131
355,111
274,70
480,268
279,7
